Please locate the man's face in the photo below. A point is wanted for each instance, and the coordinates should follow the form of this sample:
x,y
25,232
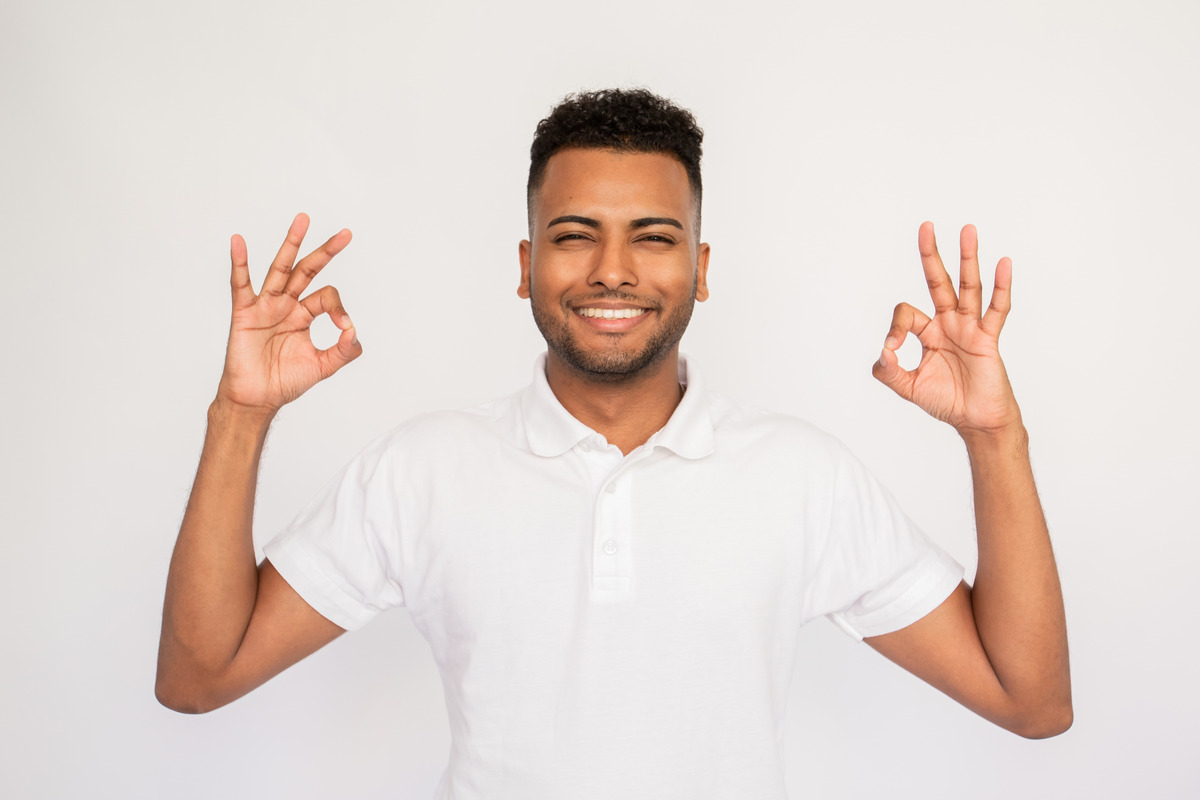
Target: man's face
x,y
613,266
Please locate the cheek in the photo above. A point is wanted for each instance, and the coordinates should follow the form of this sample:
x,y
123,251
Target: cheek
x,y
678,277
545,290
553,276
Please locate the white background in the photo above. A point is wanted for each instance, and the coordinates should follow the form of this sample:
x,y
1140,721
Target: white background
x,y
136,137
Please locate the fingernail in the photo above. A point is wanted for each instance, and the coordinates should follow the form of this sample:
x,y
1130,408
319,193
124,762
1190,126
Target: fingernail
x,y
883,358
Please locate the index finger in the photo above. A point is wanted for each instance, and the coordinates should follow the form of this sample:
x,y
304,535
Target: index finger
x,y
281,267
314,262
940,287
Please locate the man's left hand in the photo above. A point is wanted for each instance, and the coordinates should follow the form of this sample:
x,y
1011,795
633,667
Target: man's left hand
x,y
961,379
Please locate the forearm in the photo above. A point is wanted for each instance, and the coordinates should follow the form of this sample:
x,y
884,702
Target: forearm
x,y
1017,600
213,579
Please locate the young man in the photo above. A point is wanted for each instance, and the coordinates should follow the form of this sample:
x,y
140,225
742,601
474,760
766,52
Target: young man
x,y
612,565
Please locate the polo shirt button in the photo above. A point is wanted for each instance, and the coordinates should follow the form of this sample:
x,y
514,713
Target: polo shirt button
x,y
610,547
612,487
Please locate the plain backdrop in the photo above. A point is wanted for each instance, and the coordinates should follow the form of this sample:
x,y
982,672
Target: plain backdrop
x,y
135,137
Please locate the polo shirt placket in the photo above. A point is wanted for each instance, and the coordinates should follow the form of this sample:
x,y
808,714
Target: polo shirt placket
x,y
611,486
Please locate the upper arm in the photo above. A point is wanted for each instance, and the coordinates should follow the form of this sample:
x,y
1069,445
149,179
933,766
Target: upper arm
x,y
943,649
282,630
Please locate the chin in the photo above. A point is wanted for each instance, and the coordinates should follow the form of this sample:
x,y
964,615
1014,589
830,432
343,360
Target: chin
x,y
614,366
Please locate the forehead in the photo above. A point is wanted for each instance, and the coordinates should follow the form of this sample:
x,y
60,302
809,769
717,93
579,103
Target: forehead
x,y
594,181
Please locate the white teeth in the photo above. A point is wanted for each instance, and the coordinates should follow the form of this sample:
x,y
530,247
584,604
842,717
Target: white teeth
x,y
611,313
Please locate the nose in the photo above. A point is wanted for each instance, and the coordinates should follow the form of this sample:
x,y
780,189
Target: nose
x,y
613,268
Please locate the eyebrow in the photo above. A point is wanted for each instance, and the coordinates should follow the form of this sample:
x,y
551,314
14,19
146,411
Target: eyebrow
x,y
588,221
646,222
643,222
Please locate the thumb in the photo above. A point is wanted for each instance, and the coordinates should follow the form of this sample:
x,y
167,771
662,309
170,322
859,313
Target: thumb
x,y
348,346
346,349
887,370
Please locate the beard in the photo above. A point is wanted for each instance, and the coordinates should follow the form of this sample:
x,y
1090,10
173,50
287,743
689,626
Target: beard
x,y
612,363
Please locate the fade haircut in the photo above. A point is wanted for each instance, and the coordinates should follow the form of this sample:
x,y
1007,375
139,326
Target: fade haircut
x,y
625,120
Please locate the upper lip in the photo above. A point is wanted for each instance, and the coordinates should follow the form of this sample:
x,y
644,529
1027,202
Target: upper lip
x,y
607,304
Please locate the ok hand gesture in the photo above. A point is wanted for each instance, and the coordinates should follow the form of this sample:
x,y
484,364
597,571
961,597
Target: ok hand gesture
x,y
271,359
961,379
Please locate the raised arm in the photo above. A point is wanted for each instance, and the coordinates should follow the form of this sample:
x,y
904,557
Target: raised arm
x,y
229,624
1000,647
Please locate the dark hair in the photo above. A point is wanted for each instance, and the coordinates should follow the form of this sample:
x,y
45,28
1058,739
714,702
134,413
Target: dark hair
x,y
632,120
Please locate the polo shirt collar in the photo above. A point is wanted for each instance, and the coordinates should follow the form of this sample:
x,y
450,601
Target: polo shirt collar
x,y
552,431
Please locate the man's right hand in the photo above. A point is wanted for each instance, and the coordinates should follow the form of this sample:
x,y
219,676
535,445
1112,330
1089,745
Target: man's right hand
x,y
271,359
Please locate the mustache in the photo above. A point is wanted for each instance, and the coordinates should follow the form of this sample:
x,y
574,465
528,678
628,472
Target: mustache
x,y
615,297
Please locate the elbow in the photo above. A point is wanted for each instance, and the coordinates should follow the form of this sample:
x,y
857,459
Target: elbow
x,y
181,699
185,683
181,704
1049,721
186,693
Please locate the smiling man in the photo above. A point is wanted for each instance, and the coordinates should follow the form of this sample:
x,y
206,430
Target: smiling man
x,y
612,272
642,271
612,566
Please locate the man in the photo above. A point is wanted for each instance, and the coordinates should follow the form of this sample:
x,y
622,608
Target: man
x,y
611,566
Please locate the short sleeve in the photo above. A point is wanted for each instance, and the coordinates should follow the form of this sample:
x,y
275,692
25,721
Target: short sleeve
x,y
877,571
341,554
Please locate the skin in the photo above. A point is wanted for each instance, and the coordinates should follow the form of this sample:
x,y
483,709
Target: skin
x,y
229,625
614,231
999,647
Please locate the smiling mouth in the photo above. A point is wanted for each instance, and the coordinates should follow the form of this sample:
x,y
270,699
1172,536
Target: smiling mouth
x,y
610,313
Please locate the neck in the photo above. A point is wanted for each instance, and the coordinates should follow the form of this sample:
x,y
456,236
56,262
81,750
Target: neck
x,y
626,412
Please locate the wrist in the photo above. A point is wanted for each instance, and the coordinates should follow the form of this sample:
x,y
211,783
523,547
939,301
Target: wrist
x,y
224,412
1007,438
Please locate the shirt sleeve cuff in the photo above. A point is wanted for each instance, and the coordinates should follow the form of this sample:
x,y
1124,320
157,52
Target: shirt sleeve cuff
x,y
325,596
935,579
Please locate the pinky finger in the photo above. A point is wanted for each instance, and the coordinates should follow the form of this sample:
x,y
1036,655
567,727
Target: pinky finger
x,y
1001,303
239,278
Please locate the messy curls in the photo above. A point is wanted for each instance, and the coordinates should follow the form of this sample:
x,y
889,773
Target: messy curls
x,y
630,120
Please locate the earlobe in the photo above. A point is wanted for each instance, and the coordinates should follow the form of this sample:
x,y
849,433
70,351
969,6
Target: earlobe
x,y
702,274
524,251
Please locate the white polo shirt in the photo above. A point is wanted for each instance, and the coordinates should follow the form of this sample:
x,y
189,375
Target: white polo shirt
x,y
612,626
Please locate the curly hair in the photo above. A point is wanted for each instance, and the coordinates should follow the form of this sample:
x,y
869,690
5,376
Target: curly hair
x,y
630,120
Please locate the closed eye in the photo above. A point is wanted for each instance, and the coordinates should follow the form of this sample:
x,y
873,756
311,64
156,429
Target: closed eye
x,y
657,238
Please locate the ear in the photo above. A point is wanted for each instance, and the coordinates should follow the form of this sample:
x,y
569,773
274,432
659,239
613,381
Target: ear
x,y
702,273
525,252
